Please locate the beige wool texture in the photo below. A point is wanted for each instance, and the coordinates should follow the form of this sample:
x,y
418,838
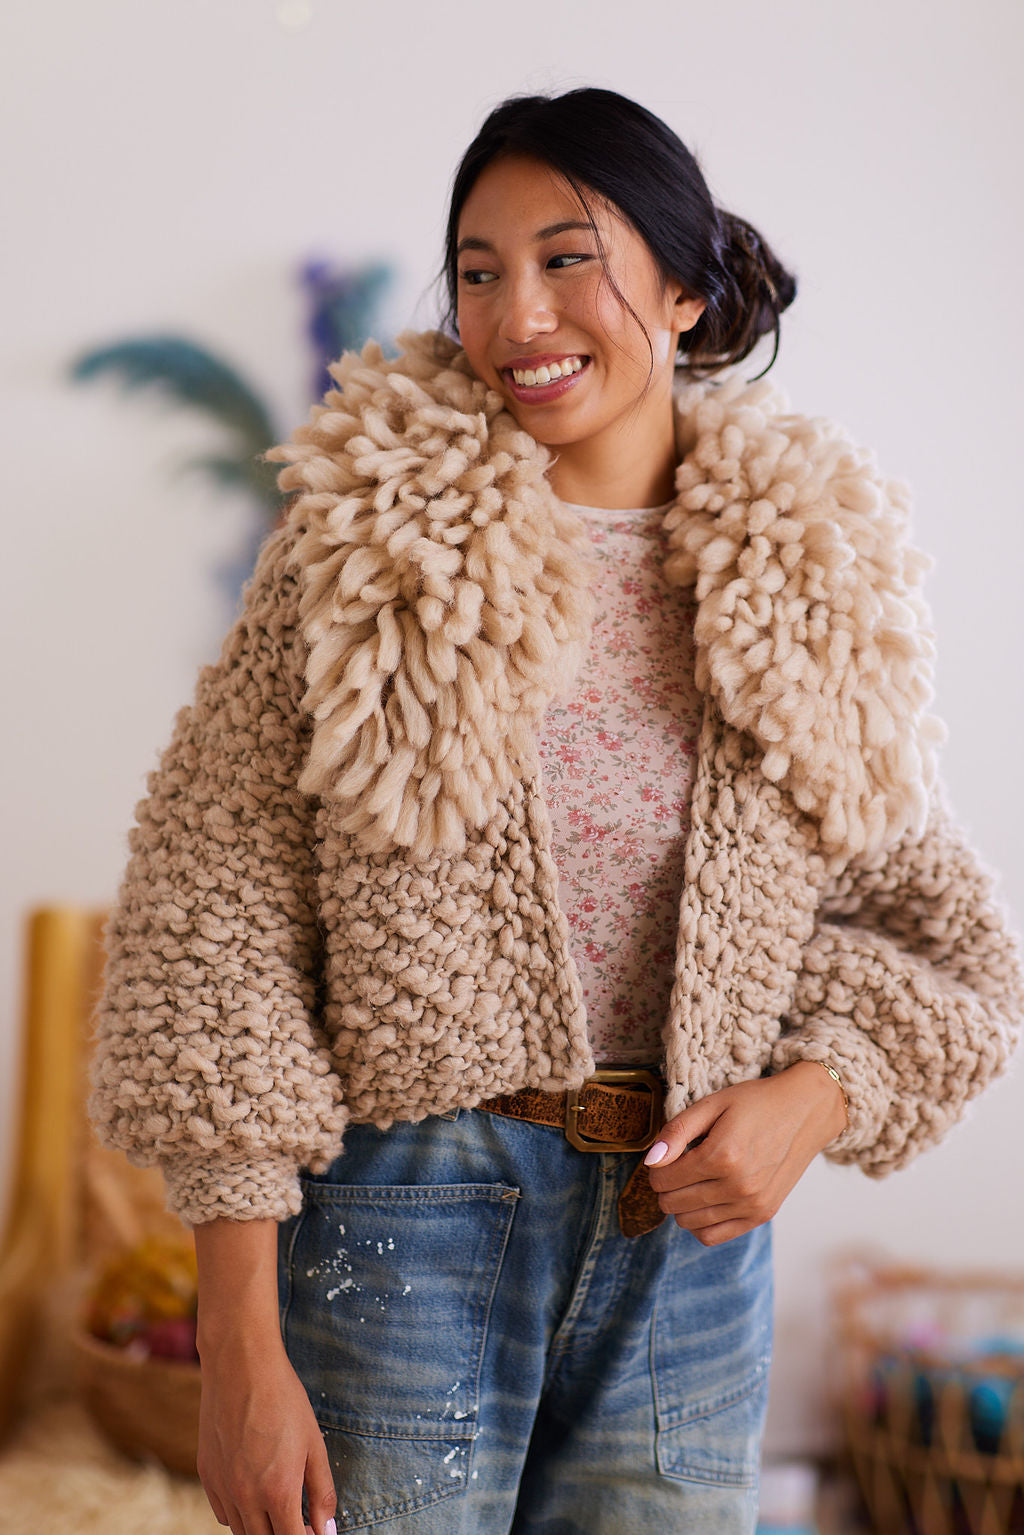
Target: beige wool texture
x,y
341,900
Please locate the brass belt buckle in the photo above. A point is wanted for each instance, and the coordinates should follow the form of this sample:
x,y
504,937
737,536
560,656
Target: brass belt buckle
x,y
622,1077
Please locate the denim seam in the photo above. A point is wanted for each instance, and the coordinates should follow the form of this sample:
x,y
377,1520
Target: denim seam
x,y
446,1431
678,1417
668,1421
434,1193
564,1340
499,1246
706,1478
393,1510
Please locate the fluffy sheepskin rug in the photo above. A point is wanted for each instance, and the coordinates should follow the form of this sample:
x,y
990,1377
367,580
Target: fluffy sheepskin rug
x,y
58,1472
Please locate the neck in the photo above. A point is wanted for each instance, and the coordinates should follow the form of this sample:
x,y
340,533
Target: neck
x,y
620,469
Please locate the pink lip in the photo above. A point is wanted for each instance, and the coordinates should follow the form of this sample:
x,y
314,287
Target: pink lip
x,y
540,394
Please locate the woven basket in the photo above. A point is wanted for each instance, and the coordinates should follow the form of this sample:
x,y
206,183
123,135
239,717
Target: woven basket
x,y
149,1408
933,1398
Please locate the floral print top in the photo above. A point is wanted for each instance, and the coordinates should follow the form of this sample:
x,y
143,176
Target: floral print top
x,y
617,762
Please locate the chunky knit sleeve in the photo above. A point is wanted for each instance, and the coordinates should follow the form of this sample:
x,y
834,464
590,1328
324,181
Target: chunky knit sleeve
x,y
208,1058
912,986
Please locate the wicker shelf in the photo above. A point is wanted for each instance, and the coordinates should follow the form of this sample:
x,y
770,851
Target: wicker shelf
x,y
932,1397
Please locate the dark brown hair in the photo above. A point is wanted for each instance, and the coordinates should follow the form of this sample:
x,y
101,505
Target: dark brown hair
x,y
605,144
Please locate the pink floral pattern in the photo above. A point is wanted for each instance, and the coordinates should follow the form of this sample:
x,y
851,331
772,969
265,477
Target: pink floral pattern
x,y
617,763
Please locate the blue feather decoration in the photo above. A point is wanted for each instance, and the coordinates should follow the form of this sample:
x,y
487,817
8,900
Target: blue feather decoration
x,y
187,374
190,375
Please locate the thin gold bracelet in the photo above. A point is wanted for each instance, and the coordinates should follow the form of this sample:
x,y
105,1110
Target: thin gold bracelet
x,y
837,1079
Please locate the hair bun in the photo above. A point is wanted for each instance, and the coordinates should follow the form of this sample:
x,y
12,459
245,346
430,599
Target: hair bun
x,y
757,290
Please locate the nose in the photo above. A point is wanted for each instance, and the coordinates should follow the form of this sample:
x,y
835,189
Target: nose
x,y
527,310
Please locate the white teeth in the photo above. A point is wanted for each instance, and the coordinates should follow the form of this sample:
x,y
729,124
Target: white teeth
x,y
545,375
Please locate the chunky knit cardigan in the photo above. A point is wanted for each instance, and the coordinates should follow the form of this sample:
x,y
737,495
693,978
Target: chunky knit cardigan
x,y
341,901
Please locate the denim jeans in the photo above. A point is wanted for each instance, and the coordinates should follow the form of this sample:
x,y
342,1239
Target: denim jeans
x,y
485,1352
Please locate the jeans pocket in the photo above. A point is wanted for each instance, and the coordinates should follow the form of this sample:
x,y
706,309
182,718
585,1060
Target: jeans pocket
x,y
717,1439
710,1362
384,1311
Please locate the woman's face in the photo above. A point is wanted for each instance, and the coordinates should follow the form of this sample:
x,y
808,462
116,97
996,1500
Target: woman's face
x,y
532,293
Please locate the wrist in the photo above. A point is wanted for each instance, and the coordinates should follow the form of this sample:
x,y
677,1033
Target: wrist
x,y
243,1336
822,1078
237,1321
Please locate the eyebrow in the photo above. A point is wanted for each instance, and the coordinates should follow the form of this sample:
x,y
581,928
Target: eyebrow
x,y
471,243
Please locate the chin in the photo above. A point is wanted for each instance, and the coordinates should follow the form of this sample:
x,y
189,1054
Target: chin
x,y
546,425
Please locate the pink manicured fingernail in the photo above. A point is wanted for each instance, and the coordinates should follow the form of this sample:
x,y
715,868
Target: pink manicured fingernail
x,y
330,1528
656,1153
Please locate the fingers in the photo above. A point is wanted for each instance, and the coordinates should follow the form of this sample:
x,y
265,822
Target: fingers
x,y
712,1223
695,1185
321,1498
696,1201
699,1168
323,1526
754,1211
724,1231
720,1199
219,1511
271,1512
240,1524
223,1511
682,1131
257,1521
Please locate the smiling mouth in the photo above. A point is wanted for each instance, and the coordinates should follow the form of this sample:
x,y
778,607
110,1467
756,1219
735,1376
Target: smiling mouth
x,y
536,378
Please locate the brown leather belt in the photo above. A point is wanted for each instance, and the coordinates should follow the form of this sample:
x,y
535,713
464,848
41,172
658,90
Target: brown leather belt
x,y
617,1109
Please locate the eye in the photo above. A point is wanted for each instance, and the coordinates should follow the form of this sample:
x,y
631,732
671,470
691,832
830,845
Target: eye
x,y
572,260
474,277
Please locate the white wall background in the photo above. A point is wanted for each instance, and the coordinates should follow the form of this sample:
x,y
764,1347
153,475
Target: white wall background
x,y
168,165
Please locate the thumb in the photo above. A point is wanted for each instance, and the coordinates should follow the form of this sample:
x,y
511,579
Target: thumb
x,y
329,1528
321,1498
682,1131
321,1526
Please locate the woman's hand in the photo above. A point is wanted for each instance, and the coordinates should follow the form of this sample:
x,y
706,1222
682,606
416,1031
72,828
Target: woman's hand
x,y
733,1156
259,1441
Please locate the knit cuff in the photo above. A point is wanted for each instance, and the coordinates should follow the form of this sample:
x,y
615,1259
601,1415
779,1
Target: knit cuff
x,y
867,1080
247,1187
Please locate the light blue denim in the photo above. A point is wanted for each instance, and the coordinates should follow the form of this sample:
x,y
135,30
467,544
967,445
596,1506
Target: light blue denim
x,y
486,1353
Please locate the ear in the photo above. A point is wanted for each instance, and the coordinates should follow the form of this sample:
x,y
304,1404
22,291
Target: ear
x,y
688,311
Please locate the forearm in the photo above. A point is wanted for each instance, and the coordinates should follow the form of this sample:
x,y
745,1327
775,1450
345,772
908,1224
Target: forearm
x,y
259,1442
238,1304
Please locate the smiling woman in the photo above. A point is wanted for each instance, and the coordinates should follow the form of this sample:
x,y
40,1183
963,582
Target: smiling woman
x,y
600,243
540,290
556,847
